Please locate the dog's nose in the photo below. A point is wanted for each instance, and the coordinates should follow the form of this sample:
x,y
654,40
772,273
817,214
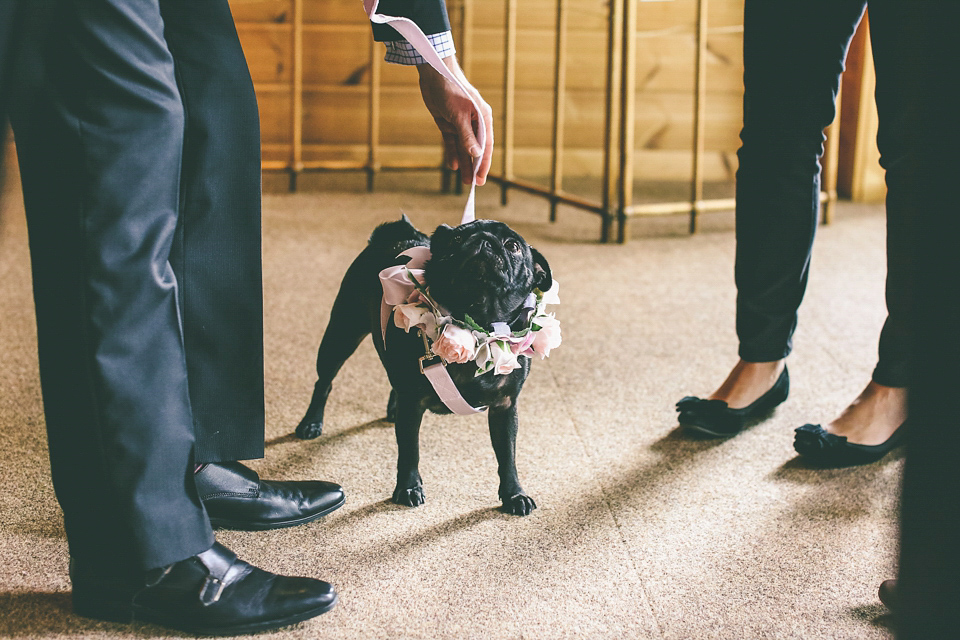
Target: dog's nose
x,y
480,243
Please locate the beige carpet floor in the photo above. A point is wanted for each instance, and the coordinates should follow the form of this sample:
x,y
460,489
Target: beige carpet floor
x,y
642,531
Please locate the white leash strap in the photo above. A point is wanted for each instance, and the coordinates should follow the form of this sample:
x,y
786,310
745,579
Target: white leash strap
x,y
437,373
443,384
409,30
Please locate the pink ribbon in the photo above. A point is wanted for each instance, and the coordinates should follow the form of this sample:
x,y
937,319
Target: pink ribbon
x,y
397,286
409,30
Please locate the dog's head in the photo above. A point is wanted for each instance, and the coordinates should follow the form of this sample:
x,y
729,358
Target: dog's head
x,y
484,269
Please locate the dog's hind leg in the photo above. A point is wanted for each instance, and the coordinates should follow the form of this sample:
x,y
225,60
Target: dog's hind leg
x,y
342,337
503,435
409,490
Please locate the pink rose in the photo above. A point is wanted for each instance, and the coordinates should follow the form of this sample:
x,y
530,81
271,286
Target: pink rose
x,y
501,357
547,337
455,344
522,346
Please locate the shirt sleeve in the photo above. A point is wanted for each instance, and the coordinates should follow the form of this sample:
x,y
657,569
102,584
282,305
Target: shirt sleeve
x,y
429,15
402,52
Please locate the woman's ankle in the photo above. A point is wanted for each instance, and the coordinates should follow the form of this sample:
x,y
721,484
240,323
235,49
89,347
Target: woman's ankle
x,y
748,381
873,417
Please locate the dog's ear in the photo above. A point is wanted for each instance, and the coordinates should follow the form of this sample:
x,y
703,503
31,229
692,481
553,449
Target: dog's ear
x,y
542,278
440,237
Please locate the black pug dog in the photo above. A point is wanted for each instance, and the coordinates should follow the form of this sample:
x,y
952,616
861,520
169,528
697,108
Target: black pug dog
x,y
481,269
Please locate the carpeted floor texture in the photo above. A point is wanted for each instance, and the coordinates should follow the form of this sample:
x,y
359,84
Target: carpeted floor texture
x,y
642,531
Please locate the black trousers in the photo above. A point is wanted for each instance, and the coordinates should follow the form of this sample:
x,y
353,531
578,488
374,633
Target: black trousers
x,y
138,137
791,80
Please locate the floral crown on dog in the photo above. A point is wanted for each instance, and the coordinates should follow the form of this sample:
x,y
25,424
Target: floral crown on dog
x,y
461,341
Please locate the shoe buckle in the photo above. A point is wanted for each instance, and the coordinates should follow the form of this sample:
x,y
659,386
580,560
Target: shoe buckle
x,y
211,590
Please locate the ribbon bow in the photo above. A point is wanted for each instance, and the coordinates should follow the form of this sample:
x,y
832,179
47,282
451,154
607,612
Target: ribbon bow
x,y
397,286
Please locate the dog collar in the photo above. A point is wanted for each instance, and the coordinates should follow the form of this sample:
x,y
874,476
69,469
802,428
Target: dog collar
x,y
448,340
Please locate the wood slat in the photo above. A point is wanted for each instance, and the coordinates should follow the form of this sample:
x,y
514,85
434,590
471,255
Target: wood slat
x,y
336,71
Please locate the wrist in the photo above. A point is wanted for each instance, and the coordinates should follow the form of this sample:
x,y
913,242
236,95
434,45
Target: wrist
x,y
450,62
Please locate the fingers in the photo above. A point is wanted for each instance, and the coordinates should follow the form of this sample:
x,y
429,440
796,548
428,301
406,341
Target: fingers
x,y
457,120
450,157
468,148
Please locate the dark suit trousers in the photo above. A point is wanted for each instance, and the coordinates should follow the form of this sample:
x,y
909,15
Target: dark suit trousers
x,y
138,137
794,51
917,54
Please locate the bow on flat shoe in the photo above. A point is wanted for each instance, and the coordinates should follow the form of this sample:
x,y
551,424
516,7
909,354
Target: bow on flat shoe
x,y
715,418
822,448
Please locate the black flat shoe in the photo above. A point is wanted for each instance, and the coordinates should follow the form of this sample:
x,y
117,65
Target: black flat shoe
x,y
822,448
715,418
212,593
236,498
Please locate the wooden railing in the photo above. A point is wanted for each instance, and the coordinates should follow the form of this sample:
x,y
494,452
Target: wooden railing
x,y
613,161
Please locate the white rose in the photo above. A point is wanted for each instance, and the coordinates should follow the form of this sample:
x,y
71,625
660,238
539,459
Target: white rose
x,y
552,295
547,336
406,316
503,358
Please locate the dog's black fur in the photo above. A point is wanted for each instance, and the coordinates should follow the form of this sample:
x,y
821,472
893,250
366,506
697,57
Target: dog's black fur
x,y
483,269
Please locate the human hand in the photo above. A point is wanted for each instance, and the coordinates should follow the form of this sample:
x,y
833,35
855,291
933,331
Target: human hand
x,y
457,120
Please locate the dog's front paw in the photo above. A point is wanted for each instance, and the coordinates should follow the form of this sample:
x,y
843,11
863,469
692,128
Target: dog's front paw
x,y
308,430
519,505
412,497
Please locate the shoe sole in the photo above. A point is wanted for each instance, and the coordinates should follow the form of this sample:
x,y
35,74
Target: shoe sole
x,y
128,615
702,429
751,421
239,629
240,525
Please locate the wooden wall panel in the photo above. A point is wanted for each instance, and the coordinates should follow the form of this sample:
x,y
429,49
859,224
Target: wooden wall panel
x,y
336,72
859,174
269,53
275,107
336,56
262,11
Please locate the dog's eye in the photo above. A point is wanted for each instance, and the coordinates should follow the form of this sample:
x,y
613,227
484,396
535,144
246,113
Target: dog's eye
x,y
512,246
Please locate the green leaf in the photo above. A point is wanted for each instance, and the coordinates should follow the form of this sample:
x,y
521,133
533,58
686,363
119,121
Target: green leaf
x,y
416,283
472,324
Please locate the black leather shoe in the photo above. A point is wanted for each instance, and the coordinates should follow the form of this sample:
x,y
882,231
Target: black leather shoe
x,y
824,449
236,498
715,418
888,594
212,593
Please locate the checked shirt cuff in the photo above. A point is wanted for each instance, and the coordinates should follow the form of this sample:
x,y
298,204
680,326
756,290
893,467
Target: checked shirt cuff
x,y
402,52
